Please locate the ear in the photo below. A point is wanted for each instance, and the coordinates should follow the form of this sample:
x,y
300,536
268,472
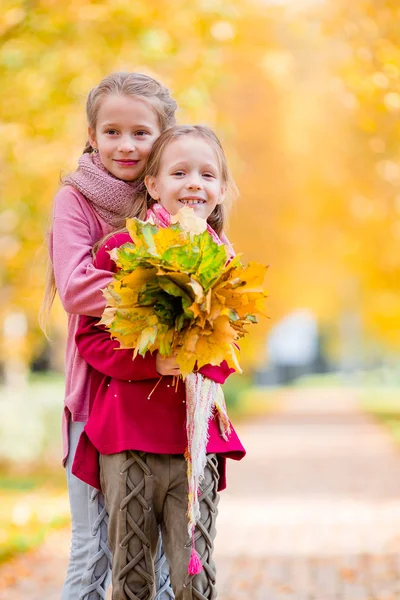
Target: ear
x,y
222,194
151,185
92,137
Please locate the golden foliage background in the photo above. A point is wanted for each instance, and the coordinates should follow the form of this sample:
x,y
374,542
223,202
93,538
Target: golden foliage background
x,y
305,96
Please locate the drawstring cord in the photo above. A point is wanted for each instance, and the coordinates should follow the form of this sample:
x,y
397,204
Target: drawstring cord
x,y
175,383
154,388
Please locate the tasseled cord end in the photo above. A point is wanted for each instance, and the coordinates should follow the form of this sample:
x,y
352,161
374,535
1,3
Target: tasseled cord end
x,y
195,567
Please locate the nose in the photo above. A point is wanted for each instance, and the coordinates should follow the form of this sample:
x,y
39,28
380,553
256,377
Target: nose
x,y
194,182
126,144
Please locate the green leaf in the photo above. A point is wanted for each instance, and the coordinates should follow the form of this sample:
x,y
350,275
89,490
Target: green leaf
x,y
167,308
129,257
173,289
130,320
251,318
148,232
165,340
182,258
213,260
147,339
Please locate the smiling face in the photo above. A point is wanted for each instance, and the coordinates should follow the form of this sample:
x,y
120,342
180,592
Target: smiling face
x,y
188,175
126,129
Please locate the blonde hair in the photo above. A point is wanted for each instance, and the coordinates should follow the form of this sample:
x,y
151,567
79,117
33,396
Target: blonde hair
x,y
122,84
217,218
131,84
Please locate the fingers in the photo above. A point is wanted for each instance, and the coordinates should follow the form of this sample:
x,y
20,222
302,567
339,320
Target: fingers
x,y
167,365
175,371
174,366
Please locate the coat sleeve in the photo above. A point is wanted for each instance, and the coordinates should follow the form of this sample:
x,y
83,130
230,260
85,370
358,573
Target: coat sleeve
x,y
71,240
103,354
95,344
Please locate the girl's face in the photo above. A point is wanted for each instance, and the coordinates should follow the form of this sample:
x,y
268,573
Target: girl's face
x,y
126,129
189,175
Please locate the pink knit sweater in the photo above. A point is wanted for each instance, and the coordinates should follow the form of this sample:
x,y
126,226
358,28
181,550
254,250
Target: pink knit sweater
x,y
75,228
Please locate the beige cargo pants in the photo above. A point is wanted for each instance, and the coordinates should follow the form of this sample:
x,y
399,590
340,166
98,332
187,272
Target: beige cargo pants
x,y
142,492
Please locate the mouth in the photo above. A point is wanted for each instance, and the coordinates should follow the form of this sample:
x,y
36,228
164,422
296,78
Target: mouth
x,y
192,201
126,162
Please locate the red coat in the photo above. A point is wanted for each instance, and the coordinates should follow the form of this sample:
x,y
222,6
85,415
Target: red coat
x,y
121,415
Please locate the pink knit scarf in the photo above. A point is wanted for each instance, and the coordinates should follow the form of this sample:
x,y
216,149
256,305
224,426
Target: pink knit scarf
x,y
112,199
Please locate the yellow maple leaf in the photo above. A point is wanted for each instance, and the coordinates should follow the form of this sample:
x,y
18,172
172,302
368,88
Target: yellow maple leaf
x,y
138,278
209,353
186,361
223,332
107,317
127,297
190,339
195,308
134,226
253,277
166,238
127,341
232,358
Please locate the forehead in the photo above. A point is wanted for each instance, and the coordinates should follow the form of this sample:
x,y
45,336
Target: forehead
x,y
126,109
190,148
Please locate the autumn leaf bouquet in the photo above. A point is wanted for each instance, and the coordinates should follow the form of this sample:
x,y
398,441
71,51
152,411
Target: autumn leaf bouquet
x,y
177,291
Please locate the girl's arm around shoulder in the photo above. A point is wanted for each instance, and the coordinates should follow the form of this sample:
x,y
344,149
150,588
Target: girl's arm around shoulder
x,y
103,259
71,240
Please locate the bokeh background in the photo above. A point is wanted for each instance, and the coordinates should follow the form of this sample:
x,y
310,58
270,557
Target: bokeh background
x,y
305,95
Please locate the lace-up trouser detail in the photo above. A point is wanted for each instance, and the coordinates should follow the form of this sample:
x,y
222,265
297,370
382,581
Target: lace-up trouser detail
x,y
144,491
96,578
89,569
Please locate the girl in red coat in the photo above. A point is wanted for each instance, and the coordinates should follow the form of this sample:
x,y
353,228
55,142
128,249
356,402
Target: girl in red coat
x,y
138,428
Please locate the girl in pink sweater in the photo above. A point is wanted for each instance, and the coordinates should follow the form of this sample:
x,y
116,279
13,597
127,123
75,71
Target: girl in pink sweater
x,y
126,113
137,421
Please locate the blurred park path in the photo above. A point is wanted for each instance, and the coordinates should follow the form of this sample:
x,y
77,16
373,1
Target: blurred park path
x,y
312,513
